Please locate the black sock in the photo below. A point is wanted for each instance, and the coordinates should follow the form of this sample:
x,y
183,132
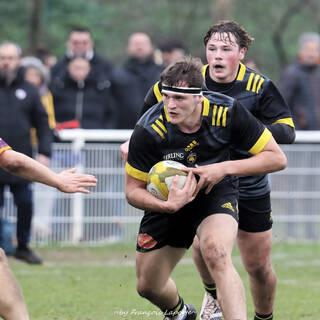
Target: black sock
x,y
211,289
259,316
170,313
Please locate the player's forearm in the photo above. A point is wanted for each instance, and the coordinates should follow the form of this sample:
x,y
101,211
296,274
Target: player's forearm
x,y
19,164
262,163
142,199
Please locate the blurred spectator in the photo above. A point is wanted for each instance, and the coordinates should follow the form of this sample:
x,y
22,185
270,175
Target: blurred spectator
x,y
47,58
21,109
80,101
300,84
252,64
80,44
37,74
134,78
171,51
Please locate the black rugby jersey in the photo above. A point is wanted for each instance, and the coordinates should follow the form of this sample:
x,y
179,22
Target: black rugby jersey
x,y
224,122
259,95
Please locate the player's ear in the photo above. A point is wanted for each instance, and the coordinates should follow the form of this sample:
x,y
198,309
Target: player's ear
x,y
243,52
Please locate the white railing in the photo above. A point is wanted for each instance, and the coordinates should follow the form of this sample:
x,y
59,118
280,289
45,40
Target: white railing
x,y
104,215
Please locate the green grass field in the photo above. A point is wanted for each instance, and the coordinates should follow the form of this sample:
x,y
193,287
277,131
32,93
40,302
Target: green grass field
x,y
98,283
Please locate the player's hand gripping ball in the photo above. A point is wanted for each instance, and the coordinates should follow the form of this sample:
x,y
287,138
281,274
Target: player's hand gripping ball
x,y
161,175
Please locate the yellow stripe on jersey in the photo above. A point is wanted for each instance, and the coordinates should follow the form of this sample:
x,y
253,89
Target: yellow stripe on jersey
x,y
206,106
250,81
4,149
160,124
135,173
259,85
166,113
262,142
287,121
256,78
204,69
224,117
157,92
156,129
241,72
219,116
214,115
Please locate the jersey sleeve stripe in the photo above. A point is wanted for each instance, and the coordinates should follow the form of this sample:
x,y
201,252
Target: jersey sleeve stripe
x,y
135,173
3,146
287,121
241,72
214,115
157,92
250,81
224,117
160,124
262,142
206,106
256,78
156,129
219,116
259,85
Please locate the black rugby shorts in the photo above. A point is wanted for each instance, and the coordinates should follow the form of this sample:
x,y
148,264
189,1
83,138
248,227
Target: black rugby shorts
x,y
255,214
178,229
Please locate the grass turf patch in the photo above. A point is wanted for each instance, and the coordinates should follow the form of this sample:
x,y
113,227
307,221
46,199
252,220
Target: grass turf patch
x,y
98,283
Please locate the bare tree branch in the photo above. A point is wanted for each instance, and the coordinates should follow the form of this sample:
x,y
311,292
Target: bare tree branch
x,y
277,36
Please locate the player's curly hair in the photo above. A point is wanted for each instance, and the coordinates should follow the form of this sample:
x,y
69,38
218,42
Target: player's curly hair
x,y
230,27
188,70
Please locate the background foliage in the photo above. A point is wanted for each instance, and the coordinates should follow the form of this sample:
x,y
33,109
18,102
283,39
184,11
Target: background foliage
x,y
276,24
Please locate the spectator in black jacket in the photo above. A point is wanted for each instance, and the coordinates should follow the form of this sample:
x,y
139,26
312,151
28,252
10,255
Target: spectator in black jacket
x,y
80,100
80,44
20,110
300,84
134,78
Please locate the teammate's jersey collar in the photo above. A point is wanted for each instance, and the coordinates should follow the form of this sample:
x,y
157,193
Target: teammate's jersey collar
x,y
218,86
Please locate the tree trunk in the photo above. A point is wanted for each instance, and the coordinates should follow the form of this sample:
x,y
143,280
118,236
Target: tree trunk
x,y
35,25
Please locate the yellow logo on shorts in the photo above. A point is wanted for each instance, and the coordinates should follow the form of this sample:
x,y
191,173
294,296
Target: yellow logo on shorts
x,y
228,205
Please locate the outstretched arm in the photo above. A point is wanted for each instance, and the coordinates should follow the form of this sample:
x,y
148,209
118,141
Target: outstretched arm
x,y
270,159
27,168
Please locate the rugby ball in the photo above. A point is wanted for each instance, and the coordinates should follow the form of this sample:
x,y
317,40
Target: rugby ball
x,y
161,175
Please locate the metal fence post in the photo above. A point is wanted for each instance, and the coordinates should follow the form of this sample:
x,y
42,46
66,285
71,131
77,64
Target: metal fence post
x,y
77,201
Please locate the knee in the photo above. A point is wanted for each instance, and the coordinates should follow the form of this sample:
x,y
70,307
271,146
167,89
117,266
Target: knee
x,y
215,254
196,252
260,269
145,289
